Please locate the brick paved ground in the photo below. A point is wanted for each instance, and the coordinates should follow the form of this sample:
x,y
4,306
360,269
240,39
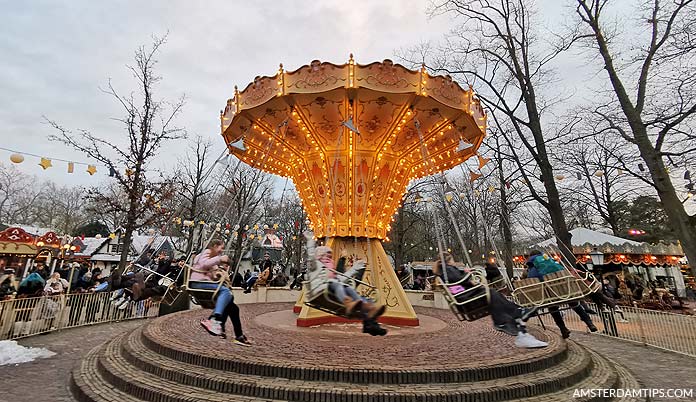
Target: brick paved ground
x,y
653,367
46,380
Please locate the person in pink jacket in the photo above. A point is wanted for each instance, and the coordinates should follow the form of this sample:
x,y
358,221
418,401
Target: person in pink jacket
x,y
203,276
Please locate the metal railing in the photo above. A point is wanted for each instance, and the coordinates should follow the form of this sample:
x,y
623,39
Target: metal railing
x,y
35,315
669,331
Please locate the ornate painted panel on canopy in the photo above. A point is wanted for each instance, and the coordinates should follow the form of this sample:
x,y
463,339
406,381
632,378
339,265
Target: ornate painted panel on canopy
x,y
351,177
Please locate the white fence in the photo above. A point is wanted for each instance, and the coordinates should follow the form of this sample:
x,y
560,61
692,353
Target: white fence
x,y
36,315
669,331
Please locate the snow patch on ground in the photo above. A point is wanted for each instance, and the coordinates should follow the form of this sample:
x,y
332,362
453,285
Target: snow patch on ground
x,y
13,353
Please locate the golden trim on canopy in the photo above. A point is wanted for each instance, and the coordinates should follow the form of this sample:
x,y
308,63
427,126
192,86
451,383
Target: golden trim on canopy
x,y
347,136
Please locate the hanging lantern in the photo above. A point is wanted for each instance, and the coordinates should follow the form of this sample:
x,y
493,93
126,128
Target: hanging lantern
x,y
151,231
17,158
560,177
227,231
98,236
246,227
599,173
188,223
265,227
462,195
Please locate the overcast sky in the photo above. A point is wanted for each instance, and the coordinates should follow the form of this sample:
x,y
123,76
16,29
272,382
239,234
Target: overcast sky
x,y
56,55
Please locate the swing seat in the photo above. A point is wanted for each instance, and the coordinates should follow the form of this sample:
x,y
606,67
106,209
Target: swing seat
x,y
203,297
321,298
467,304
587,282
318,294
555,288
171,295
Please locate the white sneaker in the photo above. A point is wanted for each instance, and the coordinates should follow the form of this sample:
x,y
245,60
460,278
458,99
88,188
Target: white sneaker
x,y
124,304
528,341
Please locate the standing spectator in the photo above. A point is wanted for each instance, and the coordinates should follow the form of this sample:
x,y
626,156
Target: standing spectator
x,y
41,270
145,259
62,284
7,287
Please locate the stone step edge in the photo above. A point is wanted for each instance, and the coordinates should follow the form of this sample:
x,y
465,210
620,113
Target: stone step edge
x,y
603,376
156,389
626,380
491,390
138,355
364,376
86,385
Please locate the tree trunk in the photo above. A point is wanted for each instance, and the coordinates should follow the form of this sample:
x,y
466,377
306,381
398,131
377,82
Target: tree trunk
x,y
505,225
678,218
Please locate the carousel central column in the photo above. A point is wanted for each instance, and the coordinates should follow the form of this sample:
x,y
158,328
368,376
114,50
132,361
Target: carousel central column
x,y
350,137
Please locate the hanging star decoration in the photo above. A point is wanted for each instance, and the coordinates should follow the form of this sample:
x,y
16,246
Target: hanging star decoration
x,y
45,163
482,161
275,226
91,169
473,176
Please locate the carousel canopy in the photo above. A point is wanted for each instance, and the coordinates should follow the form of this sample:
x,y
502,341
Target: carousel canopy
x,y
351,136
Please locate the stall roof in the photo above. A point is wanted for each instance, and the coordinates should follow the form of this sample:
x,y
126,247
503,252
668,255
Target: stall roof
x,y
583,236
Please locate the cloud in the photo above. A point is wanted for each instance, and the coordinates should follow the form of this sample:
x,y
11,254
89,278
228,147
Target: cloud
x,y
57,56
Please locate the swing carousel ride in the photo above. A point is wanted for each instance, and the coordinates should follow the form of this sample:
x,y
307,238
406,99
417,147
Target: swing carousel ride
x,y
352,137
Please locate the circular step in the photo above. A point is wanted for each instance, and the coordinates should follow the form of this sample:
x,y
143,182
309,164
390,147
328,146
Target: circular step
x,y
173,359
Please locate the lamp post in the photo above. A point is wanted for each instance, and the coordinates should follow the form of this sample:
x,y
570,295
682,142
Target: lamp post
x,y
596,258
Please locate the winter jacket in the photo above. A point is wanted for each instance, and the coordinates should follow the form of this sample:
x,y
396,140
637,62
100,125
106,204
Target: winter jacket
x,y
203,265
542,265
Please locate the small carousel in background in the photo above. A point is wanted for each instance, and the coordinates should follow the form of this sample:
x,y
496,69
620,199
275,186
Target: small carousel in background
x,y
642,274
21,251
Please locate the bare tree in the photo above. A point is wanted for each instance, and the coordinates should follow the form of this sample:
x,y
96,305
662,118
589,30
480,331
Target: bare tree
x,y
149,122
19,193
496,48
654,91
192,178
595,178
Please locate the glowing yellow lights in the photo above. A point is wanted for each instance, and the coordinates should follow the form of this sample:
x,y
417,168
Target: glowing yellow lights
x,y
350,185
